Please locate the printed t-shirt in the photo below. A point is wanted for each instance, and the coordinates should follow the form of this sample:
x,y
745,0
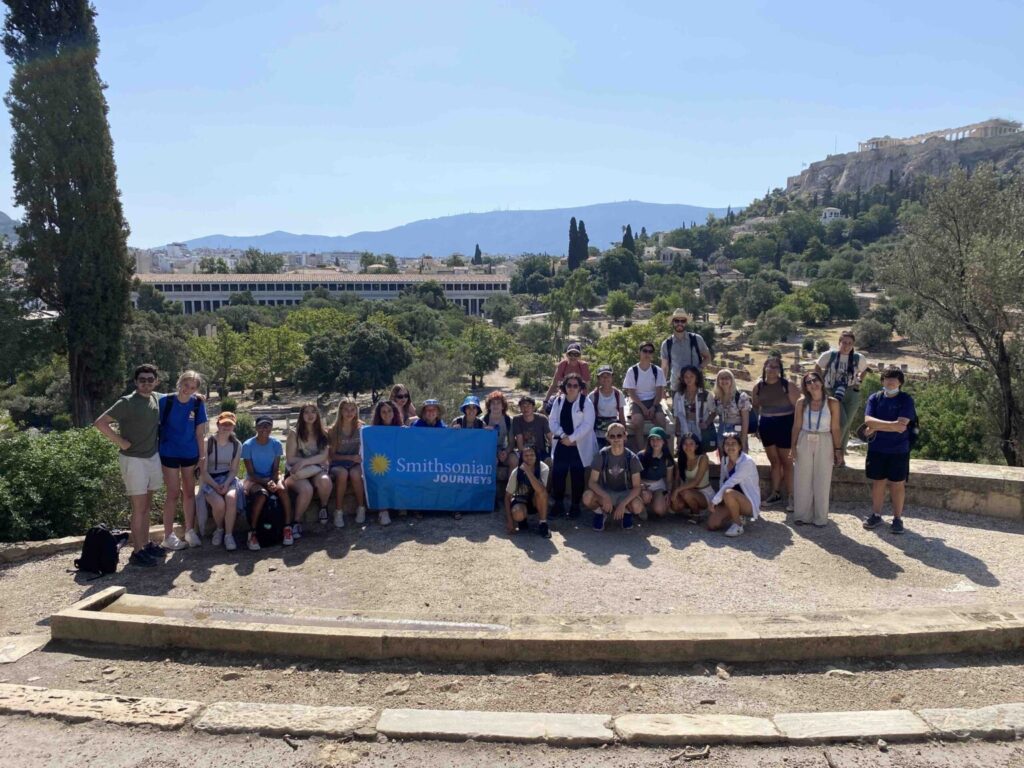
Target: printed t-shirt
x,y
616,473
178,430
839,369
533,432
889,409
138,422
644,382
263,457
515,488
654,467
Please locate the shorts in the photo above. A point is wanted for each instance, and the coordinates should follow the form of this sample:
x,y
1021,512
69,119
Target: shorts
x,y
172,462
526,502
655,485
141,476
207,488
647,404
708,493
617,496
776,431
346,464
894,467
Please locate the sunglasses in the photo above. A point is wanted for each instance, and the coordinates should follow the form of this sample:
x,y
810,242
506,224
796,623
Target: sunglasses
x,y
679,322
617,436
648,350
146,379
572,386
401,397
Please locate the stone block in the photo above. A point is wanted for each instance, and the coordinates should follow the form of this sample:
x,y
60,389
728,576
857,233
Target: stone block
x,y
81,706
821,727
695,729
281,719
14,647
519,727
1001,721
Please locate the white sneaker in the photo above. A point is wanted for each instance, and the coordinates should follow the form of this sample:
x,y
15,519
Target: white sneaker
x,y
229,542
289,536
384,518
734,531
339,519
360,515
218,537
296,531
253,544
173,543
192,538
322,516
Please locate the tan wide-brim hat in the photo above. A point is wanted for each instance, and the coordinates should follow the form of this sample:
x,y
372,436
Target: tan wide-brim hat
x,y
680,312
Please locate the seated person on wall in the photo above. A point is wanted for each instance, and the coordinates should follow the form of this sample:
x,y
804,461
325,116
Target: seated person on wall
x,y
572,363
470,418
219,476
430,415
532,429
262,455
306,452
739,491
645,386
658,474
693,495
384,414
608,403
615,487
346,460
526,494
405,410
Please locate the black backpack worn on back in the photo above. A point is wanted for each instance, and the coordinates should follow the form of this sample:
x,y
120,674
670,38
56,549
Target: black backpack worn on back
x,y
270,529
99,550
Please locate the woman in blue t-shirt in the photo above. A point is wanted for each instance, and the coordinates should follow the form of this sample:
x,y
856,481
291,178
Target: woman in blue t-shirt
x,y
182,435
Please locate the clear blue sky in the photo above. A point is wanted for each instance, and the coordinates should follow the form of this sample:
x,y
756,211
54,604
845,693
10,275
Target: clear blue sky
x,y
245,116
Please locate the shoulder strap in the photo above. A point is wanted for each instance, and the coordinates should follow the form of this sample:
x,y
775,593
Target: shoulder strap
x,y
618,397
833,359
694,346
636,374
211,443
668,349
594,396
165,410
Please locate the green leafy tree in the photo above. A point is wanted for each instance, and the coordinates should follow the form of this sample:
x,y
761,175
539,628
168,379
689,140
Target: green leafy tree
x,y
836,294
158,339
957,423
73,235
761,297
213,265
960,265
484,347
311,321
871,334
151,300
24,342
500,309
620,267
619,305
253,261
220,356
456,260
242,298
272,354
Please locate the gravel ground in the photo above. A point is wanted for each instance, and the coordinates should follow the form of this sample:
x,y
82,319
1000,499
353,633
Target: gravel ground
x,y
438,566
45,743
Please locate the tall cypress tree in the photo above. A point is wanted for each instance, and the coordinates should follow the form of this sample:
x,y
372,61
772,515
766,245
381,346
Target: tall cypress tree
x,y
582,242
73,235
627,240
573,253
478,256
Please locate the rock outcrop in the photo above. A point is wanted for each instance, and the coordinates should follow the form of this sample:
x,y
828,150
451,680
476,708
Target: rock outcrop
x,y
935,157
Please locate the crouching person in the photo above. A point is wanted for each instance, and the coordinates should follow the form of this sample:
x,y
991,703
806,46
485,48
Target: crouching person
x,y
526,494
262,457
615,482
739,491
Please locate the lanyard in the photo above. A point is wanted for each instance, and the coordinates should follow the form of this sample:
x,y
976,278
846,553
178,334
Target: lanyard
x,y
817,427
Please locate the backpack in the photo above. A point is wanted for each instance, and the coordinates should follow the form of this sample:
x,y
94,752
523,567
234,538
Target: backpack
x,y
270,532
636,375
99,550
694,348
851,366
596,394
168,404
753,422
604,467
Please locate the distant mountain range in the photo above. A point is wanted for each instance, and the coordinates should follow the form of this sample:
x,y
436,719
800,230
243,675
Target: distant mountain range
x,y
7,227
497,232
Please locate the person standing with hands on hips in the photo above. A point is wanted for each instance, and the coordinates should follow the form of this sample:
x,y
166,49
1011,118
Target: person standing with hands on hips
x,y
889,420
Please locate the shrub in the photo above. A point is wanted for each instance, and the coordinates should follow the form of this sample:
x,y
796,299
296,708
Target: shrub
x,y
257,395
58,484
228,404
245,427
808,344
822,346
871,334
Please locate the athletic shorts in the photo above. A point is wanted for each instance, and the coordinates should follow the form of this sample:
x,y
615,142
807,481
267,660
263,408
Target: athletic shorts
x,y
655,485
141,476
526,502
345,464
894,467
776,431
173,462
647,404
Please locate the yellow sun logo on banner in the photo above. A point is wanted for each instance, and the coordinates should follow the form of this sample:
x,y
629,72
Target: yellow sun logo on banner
x,y
380,464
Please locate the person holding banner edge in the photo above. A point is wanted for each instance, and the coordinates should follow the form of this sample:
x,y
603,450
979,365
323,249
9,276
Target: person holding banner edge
x,y
573,442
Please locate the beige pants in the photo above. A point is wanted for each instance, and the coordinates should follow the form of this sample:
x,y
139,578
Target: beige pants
x,y
812,480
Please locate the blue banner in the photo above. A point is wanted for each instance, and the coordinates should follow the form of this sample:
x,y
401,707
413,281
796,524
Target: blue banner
x,y
426,468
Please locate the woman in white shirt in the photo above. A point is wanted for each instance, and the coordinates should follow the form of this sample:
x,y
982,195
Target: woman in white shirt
x,y
694,409
739,491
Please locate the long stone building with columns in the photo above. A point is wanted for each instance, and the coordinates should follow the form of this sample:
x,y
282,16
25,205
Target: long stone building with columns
x,y
982,130
206,293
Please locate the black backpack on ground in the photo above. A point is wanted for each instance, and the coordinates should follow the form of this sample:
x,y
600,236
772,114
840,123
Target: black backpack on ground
x,y
270,530
99,550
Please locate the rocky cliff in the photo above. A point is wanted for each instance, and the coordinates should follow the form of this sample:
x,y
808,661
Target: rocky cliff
x,y
935,157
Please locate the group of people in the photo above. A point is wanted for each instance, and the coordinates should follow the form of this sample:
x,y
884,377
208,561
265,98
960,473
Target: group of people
x,y
552,461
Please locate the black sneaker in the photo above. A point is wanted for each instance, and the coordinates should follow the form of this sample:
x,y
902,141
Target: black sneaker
x,y
142,559
524,526
872,521
599,521
897,525
574,511
155,551
627,520
543,530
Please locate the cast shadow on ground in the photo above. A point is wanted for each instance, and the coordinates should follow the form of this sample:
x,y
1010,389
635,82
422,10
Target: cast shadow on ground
x,y
933,552
599,547
836,543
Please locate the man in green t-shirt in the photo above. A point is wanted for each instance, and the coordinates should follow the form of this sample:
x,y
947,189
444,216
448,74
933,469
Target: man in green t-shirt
x,y
138,423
